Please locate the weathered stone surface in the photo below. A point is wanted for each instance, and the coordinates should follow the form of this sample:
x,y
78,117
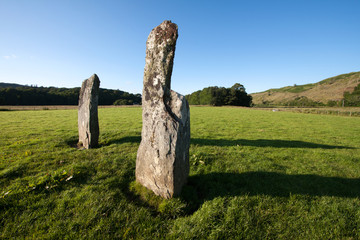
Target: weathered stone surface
x,y
162,162
88,122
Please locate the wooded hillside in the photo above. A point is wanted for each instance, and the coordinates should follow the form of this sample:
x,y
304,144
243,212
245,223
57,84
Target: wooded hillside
x,y
14,94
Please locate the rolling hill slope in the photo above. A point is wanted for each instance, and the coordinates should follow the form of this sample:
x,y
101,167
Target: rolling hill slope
x,y
330,89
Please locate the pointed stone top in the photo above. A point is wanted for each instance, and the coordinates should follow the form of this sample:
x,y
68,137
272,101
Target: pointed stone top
x,y
94,80
166,32
90,84
94,76
160,52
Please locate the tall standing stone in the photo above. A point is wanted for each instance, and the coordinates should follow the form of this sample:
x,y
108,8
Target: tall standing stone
x,y
88,122
162,162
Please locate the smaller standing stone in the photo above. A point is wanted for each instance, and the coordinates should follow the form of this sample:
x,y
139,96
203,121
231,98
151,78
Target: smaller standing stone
x,y
88,121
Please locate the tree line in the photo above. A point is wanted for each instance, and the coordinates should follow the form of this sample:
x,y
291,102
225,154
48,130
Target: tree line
x,y
219,96
26,95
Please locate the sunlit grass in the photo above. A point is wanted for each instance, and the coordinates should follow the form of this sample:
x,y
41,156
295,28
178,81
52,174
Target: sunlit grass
x,y
254,174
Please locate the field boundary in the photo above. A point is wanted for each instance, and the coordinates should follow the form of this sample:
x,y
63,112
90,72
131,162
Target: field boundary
x,y
346,111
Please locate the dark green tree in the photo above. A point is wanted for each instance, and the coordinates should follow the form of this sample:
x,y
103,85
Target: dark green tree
x,y
352,99
219,96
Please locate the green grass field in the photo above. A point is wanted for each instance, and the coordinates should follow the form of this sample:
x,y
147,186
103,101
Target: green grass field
x,y
254,175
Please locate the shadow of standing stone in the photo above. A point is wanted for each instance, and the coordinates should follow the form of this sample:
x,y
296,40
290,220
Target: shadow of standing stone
x,y
162,163
88,122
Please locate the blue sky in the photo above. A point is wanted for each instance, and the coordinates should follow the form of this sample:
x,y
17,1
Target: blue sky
x,y
261,44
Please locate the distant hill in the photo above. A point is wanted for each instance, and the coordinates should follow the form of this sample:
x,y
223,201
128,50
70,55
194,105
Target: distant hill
x,y
10,85
16,94
328,90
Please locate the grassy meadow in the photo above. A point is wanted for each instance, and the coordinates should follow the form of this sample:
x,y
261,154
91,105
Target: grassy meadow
x,y
254,175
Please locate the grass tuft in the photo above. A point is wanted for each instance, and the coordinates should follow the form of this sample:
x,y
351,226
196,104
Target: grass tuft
x,y
167,208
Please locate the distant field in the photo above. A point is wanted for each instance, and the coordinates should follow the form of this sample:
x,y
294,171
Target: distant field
x,y
254,175
340,111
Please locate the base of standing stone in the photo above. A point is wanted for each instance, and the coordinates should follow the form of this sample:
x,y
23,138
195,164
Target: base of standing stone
x,y
162,163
